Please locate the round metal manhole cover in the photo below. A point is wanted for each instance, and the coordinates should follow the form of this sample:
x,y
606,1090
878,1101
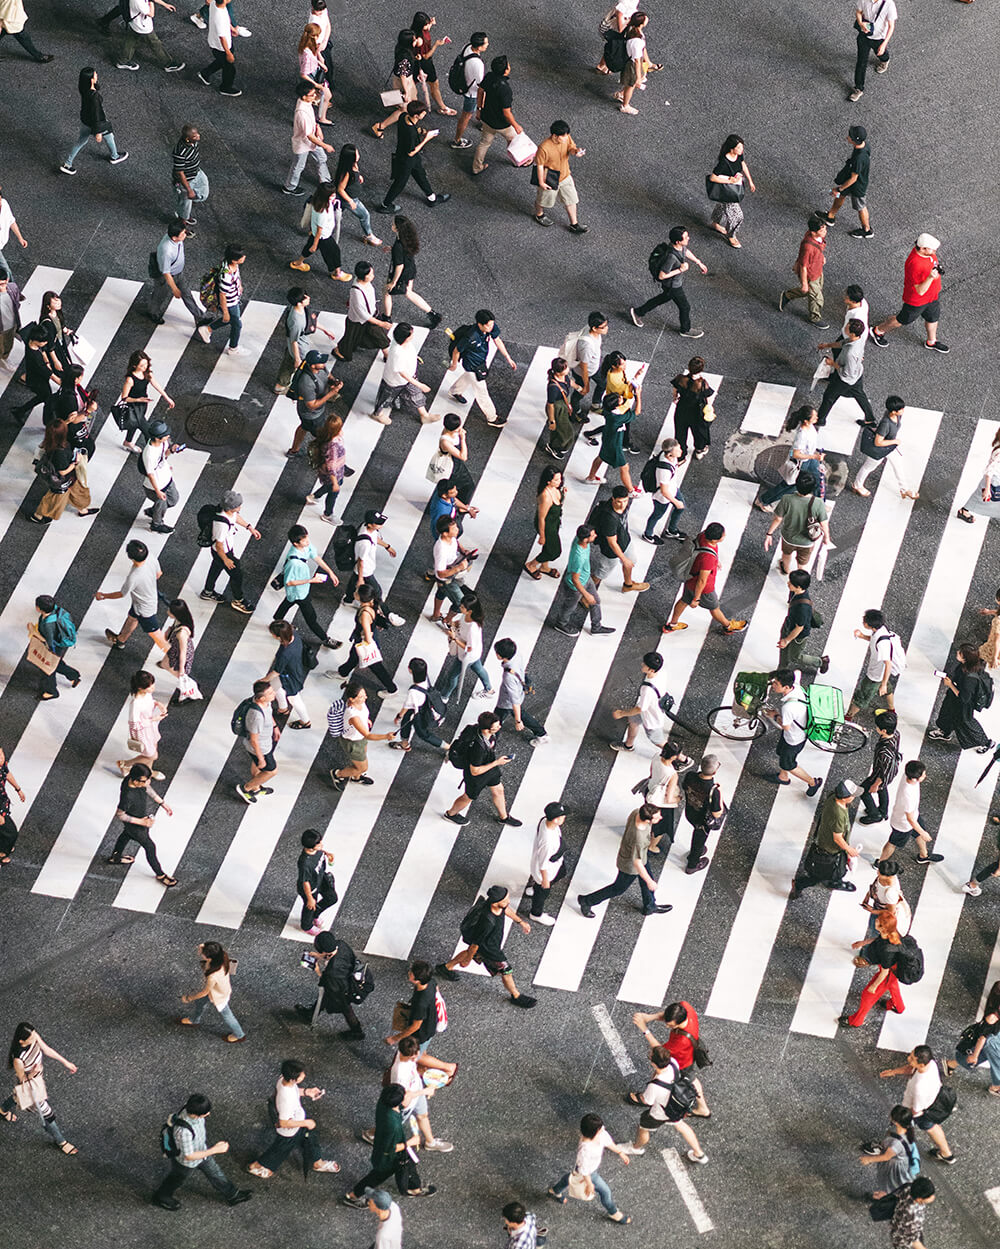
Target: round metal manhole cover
x,y
215,425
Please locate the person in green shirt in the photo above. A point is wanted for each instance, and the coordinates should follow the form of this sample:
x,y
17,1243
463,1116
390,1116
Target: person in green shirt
x,y
578,592
392,1152
793,512
827,859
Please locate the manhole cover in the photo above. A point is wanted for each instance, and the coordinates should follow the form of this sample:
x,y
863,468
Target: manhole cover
x,y
215,424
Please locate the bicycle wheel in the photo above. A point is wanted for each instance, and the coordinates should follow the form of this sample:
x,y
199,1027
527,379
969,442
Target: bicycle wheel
x,y
845,738
736,724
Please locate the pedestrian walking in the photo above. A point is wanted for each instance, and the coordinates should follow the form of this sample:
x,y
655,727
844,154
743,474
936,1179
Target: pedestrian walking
x,y
551,175
830,852
549,503
578,594
137,803
514,686
26,1059
139,587
682,1044
13,19
8,226
667,1098
423,710
465,651
8,828
585,1176
407,162
874,25
495,109
885,895
216,967
403,76
307,140
559,394
471,348
704,810
288,668
314,387
630,866
453,455
297,576
852,181
144,715
803,520
328,456
904,820
583,350
969,688
693,411
790,716
221,33
610,524
699,588
168,284
399,387
884,663
222,295
619,412
10,317
356,736
661,789
315,883
885,765
343,985
989,493
451,562
139,30
297,323
366,548
190,180
726,186
293,1128
423,27
927,1098
647,712
798,624
179,659
980,1043
393,1153
896,1157
186,1145
94,123
548,861
259,735
637,62
403,270
464,78
883,444
159,486
856,309
312,71
522,1227
364,329
898,959
347,178
668,262
482,930
974,887
226,519
474,751
405,1071
36,373
921,294
61,468
55,627
132,405
612,28
846,373
907,1225
422,1018
808,268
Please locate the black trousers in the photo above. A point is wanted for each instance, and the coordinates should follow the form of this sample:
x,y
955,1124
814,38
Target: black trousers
x,y
404,168
699,840
345,1009
411,723
876,804
686,423
378,670
282,1146
866,46
26,42
311,914
329,249
62,669
837,389
306,609
137,832
219,62
211,1170
235,574
405,1171
24,410
670,295
541,896
8,835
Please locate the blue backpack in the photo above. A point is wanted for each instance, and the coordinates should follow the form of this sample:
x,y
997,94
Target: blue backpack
x,y
63,628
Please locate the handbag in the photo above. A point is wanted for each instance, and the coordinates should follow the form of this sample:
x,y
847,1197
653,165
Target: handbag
x,y
80,464
400,1016
701,1058
133,743
120,414
551,177
368,653
708,412
883,1208
439,467
994,492
723,192
305,222
814,526
391,99
40,655
580,1188
31,1093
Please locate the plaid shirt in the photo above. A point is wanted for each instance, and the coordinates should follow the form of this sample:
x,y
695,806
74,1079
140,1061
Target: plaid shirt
x,y
526,1235
907,1221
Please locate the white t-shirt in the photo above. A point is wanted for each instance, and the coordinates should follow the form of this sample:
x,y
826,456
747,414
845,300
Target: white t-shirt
x,y
361,303
648,702
590,1152
636,48
156,463
6,221
404,1071
860,313
288,1100
322,20
806,440
389,1232
656,1096
661,779
351,731
886,13
907,803
793,716
402,359
666,471
142,16
364,550
921,1089
548,838
475,69
445,554
220,33
884,645
223,532
470,644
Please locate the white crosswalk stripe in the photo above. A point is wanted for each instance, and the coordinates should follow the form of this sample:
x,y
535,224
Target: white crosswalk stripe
x,y
565,953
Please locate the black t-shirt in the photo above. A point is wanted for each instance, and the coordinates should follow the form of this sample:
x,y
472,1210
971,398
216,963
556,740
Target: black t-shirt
x,y
698,796
403,68
799,613
336,977
726,168
134,800
312,871
488,936
400,256
408,135
423,1006
609,524
881,953
858,162
480,753
36,371
499,96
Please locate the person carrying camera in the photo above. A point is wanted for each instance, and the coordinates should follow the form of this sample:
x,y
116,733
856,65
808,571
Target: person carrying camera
x,y
921,294
334,963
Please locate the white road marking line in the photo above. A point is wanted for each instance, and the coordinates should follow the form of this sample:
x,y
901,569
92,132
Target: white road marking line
x,y
992,1195
613,1039
687,1190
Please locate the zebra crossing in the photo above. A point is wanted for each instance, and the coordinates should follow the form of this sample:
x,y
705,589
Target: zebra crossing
x,y
265,837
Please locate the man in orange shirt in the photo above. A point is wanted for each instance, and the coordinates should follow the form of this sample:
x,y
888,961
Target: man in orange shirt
x,y
552,157
921,294
809,269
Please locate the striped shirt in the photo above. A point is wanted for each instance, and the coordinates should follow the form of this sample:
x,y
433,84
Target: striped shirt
x,y
187,158
885,761
230,285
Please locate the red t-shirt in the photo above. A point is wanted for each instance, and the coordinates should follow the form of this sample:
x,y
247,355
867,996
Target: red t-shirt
x,y
678,1046
705,561
917,270
811,256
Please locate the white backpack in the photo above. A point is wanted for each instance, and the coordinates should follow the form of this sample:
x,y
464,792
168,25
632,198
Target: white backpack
x,y
568,348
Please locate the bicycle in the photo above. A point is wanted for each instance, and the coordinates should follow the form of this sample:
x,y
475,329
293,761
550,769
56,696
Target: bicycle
x,y
744,720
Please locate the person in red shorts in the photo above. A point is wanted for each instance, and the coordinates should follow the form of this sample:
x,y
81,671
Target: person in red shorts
x,y
921,294
681,1019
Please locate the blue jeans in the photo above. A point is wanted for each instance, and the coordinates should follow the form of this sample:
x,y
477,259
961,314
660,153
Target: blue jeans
x,y
235,324
600,1187
48,1123
773,493
451,674
81,143
660,508
198,184
362,214
228,1018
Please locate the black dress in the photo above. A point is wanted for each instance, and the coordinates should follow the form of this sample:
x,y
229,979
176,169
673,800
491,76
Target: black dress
x,y
8,829
689,414
958,711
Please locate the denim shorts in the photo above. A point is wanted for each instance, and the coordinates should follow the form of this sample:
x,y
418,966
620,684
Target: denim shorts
x,y
469,103
149,624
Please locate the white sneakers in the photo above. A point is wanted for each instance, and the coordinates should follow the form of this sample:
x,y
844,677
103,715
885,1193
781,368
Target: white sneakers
x,y
236,351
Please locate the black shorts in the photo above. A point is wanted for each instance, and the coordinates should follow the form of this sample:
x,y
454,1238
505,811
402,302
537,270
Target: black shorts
x,y
900,836
911,312
269,764
503,968
428,70
788,756
148,624
647,1121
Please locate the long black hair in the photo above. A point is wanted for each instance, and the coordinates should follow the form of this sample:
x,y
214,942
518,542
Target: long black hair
x,y
346,161
21,1033
182,614
731,141
406,232
86,80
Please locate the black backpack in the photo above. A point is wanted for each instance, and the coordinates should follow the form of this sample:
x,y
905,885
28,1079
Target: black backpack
x,y
238,723
683,1095
207,515
615,53
647,478
984,692
469,927
343,547
433,707
125,10
942,1105
168,1142
460,338
293,386
461,748
656,258
310,656
457,81
909,962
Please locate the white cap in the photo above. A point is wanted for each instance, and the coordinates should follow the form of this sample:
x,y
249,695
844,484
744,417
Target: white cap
x,y
928,241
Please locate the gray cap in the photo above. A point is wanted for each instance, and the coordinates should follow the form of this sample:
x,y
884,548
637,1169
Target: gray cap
x,y
159,429
846,789
231,500
380,1197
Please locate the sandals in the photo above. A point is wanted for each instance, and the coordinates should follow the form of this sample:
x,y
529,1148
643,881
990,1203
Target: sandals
x,y
534,575
9,1115
120,858
550,572
620,1218
168,882
67,1148
560,1197
963,513
865,494
377,131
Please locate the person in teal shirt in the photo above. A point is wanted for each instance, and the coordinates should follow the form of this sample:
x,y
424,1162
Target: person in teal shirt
x,y
577,594
298,575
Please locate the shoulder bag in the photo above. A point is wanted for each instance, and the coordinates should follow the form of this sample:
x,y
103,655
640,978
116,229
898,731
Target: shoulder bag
x,y
814,526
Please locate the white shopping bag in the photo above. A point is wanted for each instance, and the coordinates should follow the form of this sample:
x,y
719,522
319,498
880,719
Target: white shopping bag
x,y
520,150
